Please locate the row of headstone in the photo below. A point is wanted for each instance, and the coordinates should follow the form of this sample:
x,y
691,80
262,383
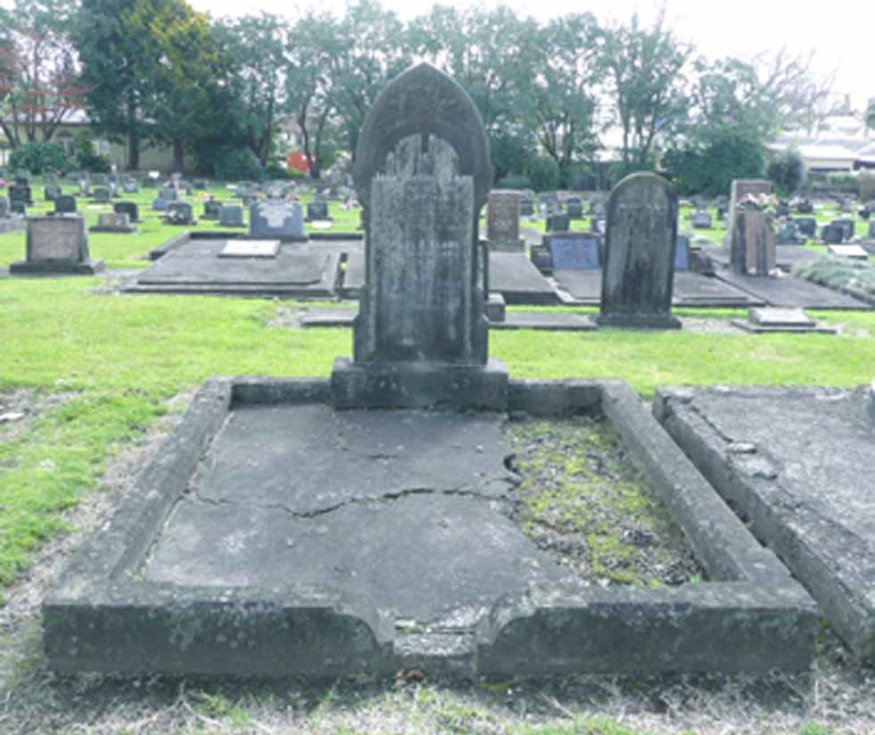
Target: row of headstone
x,y
586,251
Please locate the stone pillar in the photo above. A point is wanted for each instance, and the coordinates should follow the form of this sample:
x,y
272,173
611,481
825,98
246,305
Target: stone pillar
x,y
753,243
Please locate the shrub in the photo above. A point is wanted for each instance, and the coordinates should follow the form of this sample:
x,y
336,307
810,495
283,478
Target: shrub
x,y
543,173
86,154
235,164
787,171
843,181
709,165
38,157
515,181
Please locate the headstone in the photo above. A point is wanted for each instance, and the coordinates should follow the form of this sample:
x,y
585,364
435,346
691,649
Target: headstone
x,y
788,234
20,193
272,219
51,192
168,194
101,195
250,249
752,248
422,173
541,258
805,207
244,189
130,186
701,220
117,222
847,225
682,254
549,203
574,207
65,204
231,215
782,210
640,246
318,211
832,234
503,221
22,177
159,204
740,189
129,208
49,178
179,213
212,207
558,223
573,251
16,206
84,187
56,244
806,225
200,184
99,179
527,206
780,317
856,252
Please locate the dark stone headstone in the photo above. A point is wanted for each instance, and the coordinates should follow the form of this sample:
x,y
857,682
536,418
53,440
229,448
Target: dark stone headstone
x,y
231,215
805,207
276,219
574,207
56,244
682,254
640,247
847,224
806,225
21,193
503,220
752,248
422,172
179,213
317,211
51,192
65,204
129,208
782,210
832,234
212,207
16,206
527,207
558,223
573,251
101,195
788,234
701,220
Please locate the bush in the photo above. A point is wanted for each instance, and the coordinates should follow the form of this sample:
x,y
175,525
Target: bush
x,y
843,181
708,166
858,276
38,158
235,164
543,173
516,181
787,171
87,158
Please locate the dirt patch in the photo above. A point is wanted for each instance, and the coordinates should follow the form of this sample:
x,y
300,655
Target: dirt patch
x,y
584,501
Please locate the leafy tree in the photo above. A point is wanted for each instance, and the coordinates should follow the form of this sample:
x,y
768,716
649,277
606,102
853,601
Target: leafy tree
x,y
645,75
39,87
86,155
38,157
255,47
787,170
709,163
543,172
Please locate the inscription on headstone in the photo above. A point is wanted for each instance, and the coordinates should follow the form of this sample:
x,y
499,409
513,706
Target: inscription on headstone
x,y
278,219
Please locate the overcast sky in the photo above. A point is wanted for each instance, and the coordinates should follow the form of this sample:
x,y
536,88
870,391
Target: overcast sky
x,y
840,32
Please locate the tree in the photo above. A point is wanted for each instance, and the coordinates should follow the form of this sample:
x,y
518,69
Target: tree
x,y
787,170
311,92
708,162
645,75
39,86
255,47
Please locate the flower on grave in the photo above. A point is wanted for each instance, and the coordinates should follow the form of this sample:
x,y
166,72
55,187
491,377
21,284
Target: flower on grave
x,y
767,203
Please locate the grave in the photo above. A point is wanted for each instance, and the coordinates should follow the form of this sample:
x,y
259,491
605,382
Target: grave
x,y
179,213
640,249
318,212
503,221
116,222
100,195
230,215
815,508
159,204
574,250
739,191
832,234
56,245
847,226
283,531
848,251
574,207
527,207
20,194
701,220
682,254
130,186
788,234
752,243
518,281
65,204
807,226
51,192
272,219
212,208
771,319
558,222
129,208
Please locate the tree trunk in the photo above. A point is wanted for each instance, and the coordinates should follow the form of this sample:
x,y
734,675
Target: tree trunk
x,y
178,156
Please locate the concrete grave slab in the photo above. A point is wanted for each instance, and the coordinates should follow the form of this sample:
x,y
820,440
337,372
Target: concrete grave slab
x,y
781,319
798,464
275,535
791,291
849,251
786,256
250,249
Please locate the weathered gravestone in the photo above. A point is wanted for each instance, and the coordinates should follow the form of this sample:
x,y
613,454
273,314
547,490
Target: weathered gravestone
x,y
100,195
56,245
847,226
65,204
740,190
752,249
640,246
231,215
422,174
168,194
21,193
159,204
682,254
130,186
318,212
788,234
527,206
574,250
701,220
129,208
807,226
99,179
503,221
832,234
558,222
117,222
212,207
179,213
51,192
574,207
276,219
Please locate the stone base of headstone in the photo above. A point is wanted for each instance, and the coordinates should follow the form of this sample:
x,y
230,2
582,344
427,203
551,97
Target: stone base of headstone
x,y
752,249
495,308
55,268
507,246
638,321
419,385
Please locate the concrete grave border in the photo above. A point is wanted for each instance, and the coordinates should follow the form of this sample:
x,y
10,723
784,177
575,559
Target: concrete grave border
x,y
101,616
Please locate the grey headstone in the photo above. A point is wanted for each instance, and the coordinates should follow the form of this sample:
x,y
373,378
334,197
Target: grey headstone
x,y
129,208
51,192
179,213
640,246
168,194
701,220
159,204
101,195
99,179
780,317
317,211
231,215
806,225
740,189
832,234
682,254
113,222
56,244
527,207
503,220
847,225
273,219
212,207
574,207
558,222
573,251
130,187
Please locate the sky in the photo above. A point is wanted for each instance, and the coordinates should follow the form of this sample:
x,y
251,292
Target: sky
x,y
839,32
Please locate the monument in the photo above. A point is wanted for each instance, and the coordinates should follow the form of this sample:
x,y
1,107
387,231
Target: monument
x,y
503,221
56,245
640,244
422,174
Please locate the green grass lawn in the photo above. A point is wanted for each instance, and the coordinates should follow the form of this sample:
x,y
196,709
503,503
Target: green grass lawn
x,y
120,358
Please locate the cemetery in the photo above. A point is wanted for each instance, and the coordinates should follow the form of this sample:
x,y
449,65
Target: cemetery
x,y
421,433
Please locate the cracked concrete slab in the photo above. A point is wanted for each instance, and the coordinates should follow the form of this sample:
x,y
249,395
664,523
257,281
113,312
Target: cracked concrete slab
x,y
798,463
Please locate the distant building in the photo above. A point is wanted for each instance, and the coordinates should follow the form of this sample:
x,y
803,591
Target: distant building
x,y
843,143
